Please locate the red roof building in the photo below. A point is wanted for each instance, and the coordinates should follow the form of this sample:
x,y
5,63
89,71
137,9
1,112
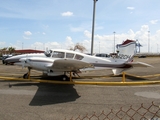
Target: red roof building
x,y
25,51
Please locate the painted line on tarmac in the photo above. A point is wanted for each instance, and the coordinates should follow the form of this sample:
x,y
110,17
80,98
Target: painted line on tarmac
x,y
15,74
10,74
82,82
86,77
145,76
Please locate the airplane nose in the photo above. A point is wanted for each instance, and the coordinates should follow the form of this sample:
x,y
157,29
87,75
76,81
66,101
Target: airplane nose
x,y
11,60
7,61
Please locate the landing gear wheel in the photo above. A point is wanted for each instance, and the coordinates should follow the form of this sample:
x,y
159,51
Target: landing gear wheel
x,y
25,76
65,78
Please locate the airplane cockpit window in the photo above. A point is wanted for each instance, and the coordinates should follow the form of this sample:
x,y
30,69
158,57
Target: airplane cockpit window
x,y
69,55
78,57
57,54
48,53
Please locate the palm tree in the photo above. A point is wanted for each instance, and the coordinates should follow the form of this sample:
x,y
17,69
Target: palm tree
x,y
11,50
4,50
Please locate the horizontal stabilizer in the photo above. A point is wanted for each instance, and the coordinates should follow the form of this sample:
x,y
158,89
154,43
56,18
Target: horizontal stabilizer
x,y
117,71
139,64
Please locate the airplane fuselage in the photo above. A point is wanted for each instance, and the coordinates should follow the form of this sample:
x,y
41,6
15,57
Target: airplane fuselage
x,y
45,63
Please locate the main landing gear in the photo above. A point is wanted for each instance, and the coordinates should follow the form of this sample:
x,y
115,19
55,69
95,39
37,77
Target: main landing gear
x,y
64,78
27,75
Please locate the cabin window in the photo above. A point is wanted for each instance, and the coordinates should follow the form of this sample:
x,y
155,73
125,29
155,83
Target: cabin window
x,y
69,55
57,54
78,57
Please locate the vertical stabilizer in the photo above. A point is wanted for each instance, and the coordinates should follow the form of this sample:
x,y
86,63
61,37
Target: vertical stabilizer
x,y
126,50
125,54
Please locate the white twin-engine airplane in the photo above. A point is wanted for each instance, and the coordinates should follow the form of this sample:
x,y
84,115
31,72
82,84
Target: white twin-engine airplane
x,y
57,62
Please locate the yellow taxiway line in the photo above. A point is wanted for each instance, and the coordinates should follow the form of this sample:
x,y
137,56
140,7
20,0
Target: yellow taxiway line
x,y
123,83
145,76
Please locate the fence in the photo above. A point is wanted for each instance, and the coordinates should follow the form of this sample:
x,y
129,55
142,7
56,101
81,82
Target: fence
x,y
152,112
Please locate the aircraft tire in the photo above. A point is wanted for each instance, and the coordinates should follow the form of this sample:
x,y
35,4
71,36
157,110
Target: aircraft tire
x,y
25,76
65,78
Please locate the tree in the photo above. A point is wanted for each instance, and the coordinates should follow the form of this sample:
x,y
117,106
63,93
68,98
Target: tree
x,y
79,47
4,50
11,50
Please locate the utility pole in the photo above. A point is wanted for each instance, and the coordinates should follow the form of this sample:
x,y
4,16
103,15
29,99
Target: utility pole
x,y
94,8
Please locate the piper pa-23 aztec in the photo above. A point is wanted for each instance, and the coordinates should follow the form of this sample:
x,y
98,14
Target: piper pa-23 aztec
x,y
57,62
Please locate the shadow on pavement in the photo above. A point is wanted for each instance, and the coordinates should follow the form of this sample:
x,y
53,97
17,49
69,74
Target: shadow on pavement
x,y
47,94
54,94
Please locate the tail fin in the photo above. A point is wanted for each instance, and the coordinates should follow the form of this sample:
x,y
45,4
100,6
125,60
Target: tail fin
x,y
126,50
125,53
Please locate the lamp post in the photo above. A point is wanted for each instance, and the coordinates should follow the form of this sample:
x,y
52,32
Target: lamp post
x,y
94,8
114,42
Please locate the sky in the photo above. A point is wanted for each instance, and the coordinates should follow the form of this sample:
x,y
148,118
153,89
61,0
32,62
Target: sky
x,y
50,24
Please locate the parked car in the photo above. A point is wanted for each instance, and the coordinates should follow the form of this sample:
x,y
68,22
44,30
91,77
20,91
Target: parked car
x,y
142,56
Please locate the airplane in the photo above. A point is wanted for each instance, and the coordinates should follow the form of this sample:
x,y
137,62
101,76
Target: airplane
x,y
56,62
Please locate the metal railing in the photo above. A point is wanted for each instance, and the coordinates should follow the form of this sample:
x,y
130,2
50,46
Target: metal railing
x,y
151,112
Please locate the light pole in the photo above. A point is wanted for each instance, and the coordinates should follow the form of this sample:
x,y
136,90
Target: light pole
x,y
94,8
114,42
148,41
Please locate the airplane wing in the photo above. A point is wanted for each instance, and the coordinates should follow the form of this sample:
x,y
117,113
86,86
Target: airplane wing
x,y
139,64
69,65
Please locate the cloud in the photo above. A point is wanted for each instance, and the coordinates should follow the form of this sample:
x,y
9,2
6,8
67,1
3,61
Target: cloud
x,y
68,13
2,43
153,21
68,43
130,8
76,29
27,33
87,33
26,38
82,27
45,46
103,43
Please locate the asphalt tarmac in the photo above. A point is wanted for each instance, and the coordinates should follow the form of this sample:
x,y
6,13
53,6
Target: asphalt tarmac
x,y
39,101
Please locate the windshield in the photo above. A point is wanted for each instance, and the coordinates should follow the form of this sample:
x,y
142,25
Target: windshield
x,y
48,53
57,54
